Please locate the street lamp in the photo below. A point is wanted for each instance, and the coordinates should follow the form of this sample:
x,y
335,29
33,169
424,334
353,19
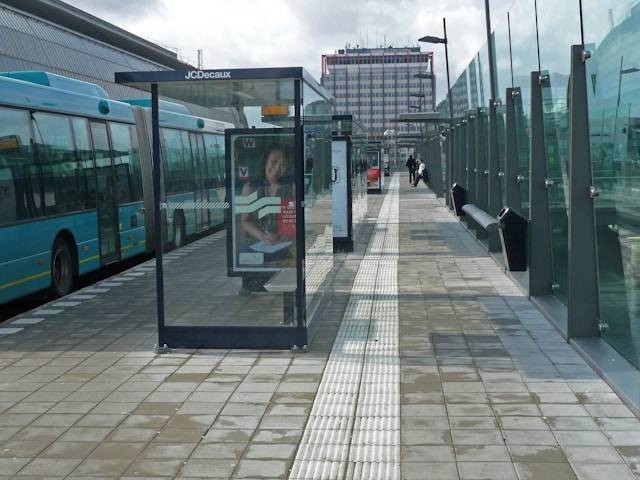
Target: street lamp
x,y
445,41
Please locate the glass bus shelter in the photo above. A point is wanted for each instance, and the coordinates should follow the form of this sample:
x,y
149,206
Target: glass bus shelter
x,y
242,212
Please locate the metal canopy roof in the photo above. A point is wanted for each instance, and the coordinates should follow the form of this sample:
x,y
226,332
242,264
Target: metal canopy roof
x,y
226,88
82,22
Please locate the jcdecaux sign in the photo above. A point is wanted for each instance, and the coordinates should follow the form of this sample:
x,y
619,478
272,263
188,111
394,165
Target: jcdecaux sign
x,y
200,75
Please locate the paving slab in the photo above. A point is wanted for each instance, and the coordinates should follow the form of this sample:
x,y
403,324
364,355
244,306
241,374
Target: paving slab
x,y
431,364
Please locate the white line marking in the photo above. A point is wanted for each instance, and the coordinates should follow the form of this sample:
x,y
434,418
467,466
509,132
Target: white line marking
x,y
10,331
27,321
66,304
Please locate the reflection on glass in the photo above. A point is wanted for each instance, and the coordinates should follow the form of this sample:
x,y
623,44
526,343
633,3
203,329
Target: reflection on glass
x,y
556,133
612,30
318,221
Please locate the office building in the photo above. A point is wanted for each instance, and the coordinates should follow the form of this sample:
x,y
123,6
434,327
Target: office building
x,y
378,84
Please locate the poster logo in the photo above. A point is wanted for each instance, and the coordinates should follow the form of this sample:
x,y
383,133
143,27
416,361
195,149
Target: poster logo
x,y
243,173
249,142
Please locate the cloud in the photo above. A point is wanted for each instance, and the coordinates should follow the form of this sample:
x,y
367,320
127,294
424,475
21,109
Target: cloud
x,y
259,33
119,8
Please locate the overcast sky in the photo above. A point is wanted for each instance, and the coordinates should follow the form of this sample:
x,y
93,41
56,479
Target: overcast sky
x,y
279,33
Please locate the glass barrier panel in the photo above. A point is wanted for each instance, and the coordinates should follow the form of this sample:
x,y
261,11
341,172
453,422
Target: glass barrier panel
x,y
503,81
559,28
612,31
523,44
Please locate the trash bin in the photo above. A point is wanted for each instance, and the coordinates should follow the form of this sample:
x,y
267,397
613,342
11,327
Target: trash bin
x,y
459,198
513,236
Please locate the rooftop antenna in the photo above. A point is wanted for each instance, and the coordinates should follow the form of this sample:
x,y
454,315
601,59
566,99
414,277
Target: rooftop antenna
x,y
611,24
200,59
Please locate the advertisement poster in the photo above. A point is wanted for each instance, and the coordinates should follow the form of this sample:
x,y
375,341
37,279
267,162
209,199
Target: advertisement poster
x,y
374,177
263,209
339,202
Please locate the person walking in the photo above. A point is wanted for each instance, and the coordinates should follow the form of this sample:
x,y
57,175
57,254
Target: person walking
x,y
411,165
421,173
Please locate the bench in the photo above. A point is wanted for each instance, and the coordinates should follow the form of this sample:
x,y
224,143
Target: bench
x,y
488,223
482,218
285,282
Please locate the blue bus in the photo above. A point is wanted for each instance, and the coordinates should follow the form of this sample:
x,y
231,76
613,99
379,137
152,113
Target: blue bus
x,y
75,180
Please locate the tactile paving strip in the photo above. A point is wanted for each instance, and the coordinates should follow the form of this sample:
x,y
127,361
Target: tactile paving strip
x,y
353,432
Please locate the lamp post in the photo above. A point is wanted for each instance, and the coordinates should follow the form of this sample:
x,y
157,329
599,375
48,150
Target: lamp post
x,y
444,40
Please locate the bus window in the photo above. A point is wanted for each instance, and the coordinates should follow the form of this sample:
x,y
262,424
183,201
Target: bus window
x,y
19,179
127,163
189,161
85,159
173,161
214,166
57,159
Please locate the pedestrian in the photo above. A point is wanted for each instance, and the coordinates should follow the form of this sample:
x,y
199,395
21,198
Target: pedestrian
x,y
411,165
421,173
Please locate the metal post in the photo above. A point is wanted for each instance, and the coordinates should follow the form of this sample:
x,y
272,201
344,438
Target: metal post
x,y
447,154
446,56
495,196
481,163
512,181
436,175
583,303
462,165
540,266
471,158
451,153
157,217
495,187
457,158
300,225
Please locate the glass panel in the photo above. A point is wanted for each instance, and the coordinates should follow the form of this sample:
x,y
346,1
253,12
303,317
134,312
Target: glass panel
x,y
612,30
503,81
523,43
85,158
559,28
19,177
230,243
127,164
106,188
63,180
318,233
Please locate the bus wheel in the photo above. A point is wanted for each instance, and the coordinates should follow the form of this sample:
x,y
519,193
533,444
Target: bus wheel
x,y
179,232
62,268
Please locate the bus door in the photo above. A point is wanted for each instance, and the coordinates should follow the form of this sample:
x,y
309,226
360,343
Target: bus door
x,y
108,224
200,177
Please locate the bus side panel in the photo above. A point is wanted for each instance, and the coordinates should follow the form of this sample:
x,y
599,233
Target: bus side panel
x,y
132,229
25,256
